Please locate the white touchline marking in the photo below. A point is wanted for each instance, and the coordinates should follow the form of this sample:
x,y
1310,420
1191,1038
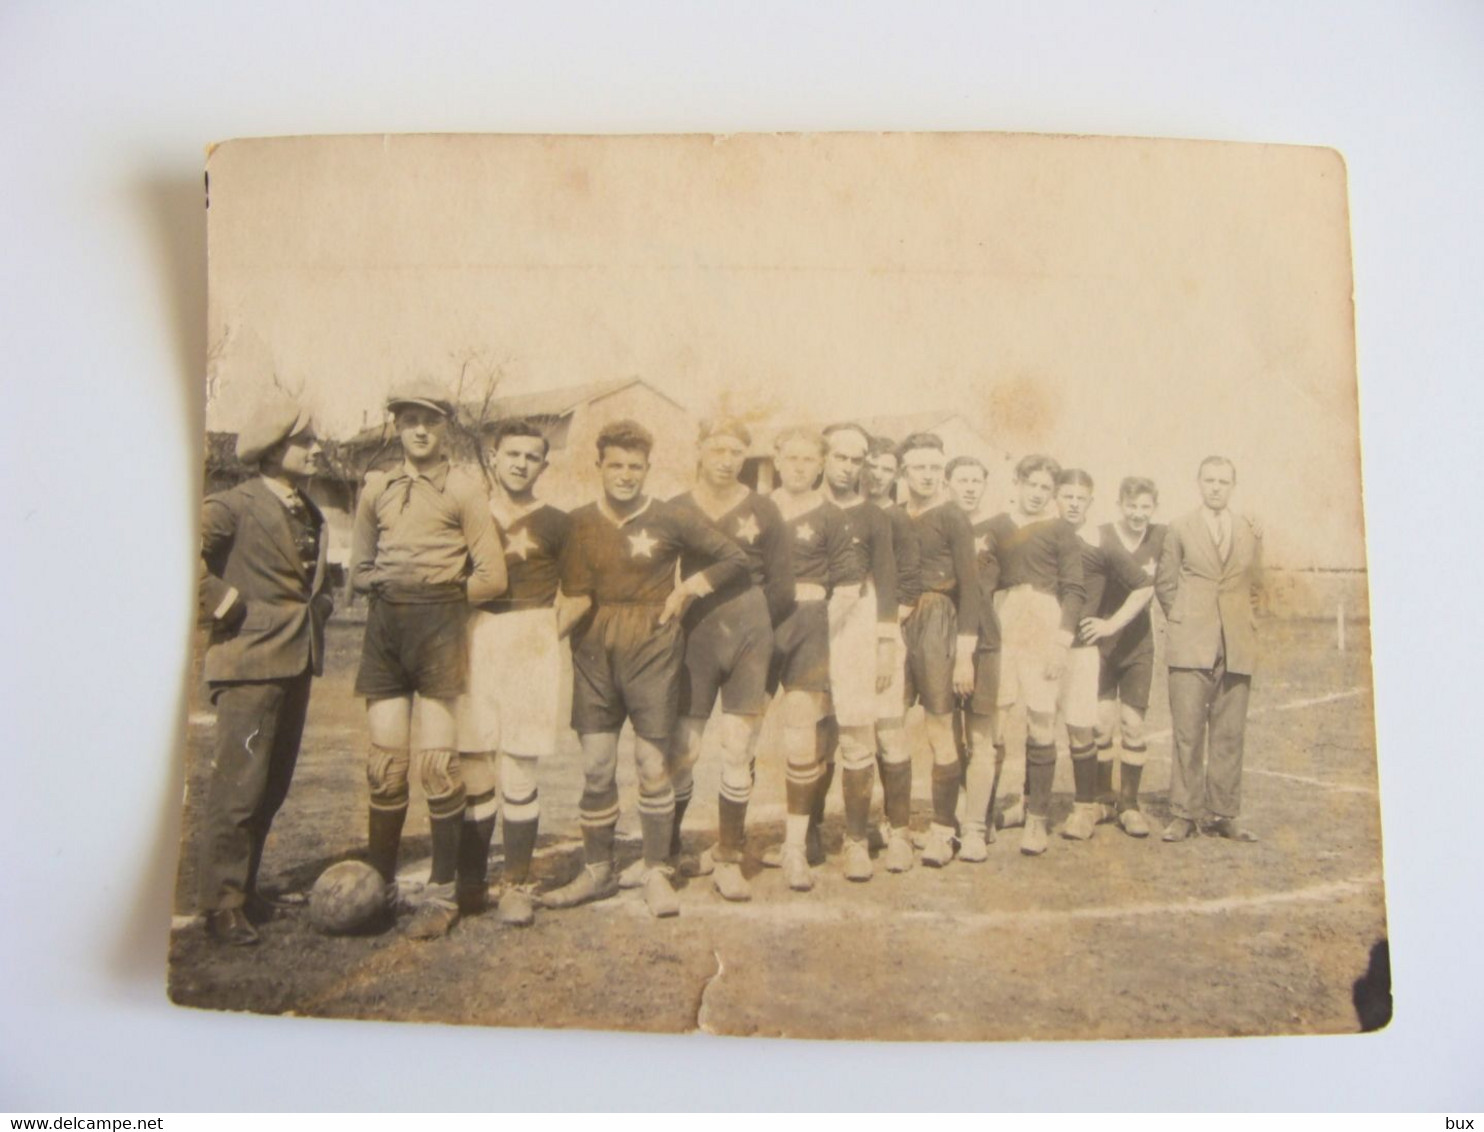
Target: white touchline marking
x,y
1296,705
809,911
1336,787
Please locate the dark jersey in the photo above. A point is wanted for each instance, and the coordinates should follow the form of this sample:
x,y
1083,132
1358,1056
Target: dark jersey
x,y
634,560
821,544
945,543
908,552
1138,634
1046,555
534,543
1107,567
871,556
987,562
758,530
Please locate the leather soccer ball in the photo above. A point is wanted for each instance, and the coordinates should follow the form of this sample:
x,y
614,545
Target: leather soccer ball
x,y
349,898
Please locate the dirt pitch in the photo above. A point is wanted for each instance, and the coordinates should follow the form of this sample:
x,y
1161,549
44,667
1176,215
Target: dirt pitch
x,y
1104,939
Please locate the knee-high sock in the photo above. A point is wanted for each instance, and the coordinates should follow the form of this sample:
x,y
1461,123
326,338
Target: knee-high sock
x,y
474,842
731,804
598,815
1085,773
1128,779
822,792
522,818
443,784
387,769
856,784
657,823
947,777
896,790
1040,773
385,837
801,785
1106,794
682,803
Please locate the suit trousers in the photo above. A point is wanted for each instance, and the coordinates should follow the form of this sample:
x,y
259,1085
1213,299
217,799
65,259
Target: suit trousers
x,y
259,725
1207,702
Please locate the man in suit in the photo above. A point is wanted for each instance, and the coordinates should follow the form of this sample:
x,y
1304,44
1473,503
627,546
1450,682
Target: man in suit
x,y
262,590
1208,581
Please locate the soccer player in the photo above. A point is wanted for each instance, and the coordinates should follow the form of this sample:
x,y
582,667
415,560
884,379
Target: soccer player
x,y
943,630
879,480
863,650
1039,601
981,753
801,643
509,718
729,640
262,588
1128,655
622,556
1102,566
424,547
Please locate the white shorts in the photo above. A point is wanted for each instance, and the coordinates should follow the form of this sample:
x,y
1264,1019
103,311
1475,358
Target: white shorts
x,y
1030,622
892,703
1079,687
515,675
853,658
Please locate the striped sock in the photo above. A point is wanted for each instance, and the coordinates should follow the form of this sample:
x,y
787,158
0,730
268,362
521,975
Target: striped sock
x,y
597,813
947,777
657,824
522,816
474,842
731,803
801,783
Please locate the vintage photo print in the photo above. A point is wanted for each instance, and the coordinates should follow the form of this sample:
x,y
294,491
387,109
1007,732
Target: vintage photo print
x,y
835,586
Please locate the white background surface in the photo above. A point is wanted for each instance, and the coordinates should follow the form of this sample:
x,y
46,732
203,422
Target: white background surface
x,y
104,113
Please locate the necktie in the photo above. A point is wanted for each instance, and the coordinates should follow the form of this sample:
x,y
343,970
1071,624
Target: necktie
x,y
1224,535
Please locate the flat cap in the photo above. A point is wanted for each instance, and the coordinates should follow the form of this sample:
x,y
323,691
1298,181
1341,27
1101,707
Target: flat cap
x,y
424,391
276,417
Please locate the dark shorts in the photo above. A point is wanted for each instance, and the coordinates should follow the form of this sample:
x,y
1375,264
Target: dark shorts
x,y
931,635
1127,678
801,650
728,651
414,648
626,666
986,697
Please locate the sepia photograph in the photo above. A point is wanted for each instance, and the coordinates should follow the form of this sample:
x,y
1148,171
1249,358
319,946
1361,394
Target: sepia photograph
x,y
869,586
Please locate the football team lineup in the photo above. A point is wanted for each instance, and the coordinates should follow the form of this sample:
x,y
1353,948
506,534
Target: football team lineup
x,y
871,582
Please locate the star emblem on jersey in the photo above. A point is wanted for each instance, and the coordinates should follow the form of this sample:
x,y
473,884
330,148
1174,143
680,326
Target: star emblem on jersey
x,y
806,532
642,545
981,544
520,544
747,529
1149,568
